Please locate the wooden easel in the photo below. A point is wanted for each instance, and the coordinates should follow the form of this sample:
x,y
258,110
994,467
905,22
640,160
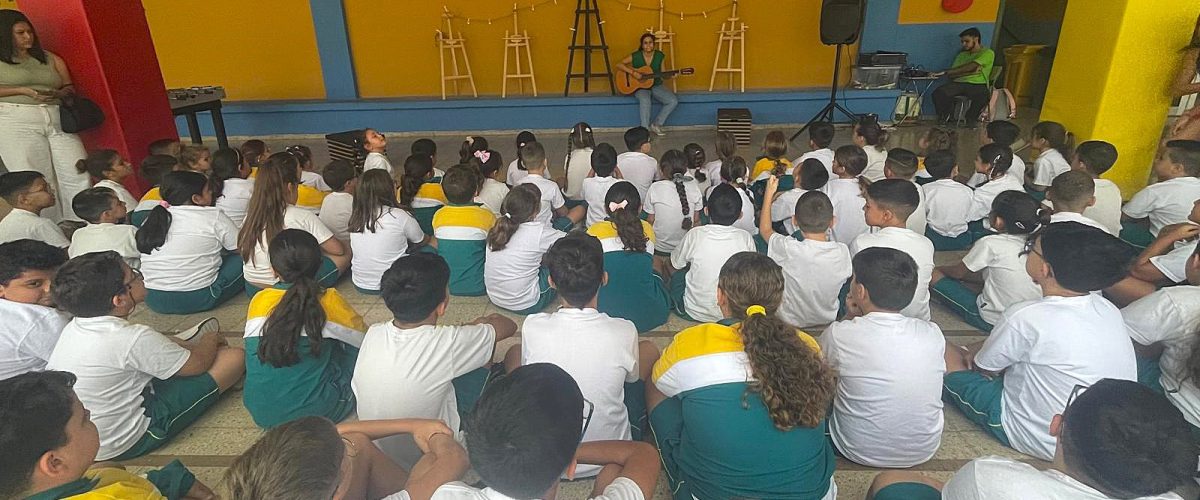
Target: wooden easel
x,y
733,32
516,41
588,11
664,36
448,41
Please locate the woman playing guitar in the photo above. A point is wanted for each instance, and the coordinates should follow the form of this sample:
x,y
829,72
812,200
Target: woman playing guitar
x,y
648,56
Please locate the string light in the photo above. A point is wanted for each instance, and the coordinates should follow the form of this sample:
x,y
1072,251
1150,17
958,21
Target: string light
x,y
629,6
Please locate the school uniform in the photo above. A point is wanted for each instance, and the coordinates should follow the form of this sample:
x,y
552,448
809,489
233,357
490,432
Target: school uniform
x,y
639,168
702,252
716,438
151,199
1171,317
593,191
116,362
309,198
746,221
713,170
916,246
783,209
634,291
21,224
373,252
917,221
317,384
103,237
461,232
1005,281
514,173
425,204
985,194
1173,265
824,155
848,203
876,161
622,488
492,194
335,214
235,199
375,160
1107,210
576,166
122,194
1164,203
662,201
1078,218
197,267
998,478
103,483
813,275
1045,348
29,335
551,197
257,269
887,410
315,181
411,373
764,166
947,206
1047,166
708,182
514,276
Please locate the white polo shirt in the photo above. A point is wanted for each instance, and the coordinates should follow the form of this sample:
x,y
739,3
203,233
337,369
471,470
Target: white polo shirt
x,y
123,194
374,252
662,201
997,478
515,174
948,205
257,270
876,161
376,160
21,224
1079,218
1049,346
1164,203
1047,166
511,274
1016,170
985,194
622,488
593,191
408,373
783,209
705,249
103,237
576,166
824,155
191,256
1005,281
315,181
114,360
1173,265
713,170
1107,210
235,199
552,197
813,275
917,221
916,246
746,221
848,203
28,336
638,168
492,194
335,214
887,411
1170,316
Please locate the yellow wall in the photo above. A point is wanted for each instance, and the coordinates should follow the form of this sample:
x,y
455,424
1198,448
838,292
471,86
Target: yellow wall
x,y
783,46
931,11
8,4
260,49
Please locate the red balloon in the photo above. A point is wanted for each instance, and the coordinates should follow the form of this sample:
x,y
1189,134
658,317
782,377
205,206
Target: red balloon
x,y
956,6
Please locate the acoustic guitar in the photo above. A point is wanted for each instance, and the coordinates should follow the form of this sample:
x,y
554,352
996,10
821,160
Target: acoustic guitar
x,y
627,84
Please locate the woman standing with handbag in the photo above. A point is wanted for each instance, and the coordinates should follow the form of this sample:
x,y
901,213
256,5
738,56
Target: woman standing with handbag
x,y
33,82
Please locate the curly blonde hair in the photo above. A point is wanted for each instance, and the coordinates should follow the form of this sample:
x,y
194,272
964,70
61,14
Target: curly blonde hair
x,y
794,382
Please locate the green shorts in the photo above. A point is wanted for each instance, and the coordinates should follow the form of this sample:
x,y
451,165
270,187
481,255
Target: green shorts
x,y
962,300
980,399
908,491
676,290
1136,234
546,294
172,405
666,422
229,281
327,276
946,243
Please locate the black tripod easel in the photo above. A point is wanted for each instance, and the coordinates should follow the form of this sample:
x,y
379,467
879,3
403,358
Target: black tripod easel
x,y
587,10
826,114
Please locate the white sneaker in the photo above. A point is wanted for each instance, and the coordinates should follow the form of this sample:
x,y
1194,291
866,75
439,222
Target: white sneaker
x,y
657,130
210,325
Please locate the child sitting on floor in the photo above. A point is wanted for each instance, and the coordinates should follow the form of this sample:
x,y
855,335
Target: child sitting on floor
x,y
374,146
812,176
1053,144
342,178
887,411
310,194
996,262
580,144
512,268
1013,383
1162,263
380,231
1167,201
1000,133
28,194
636,164
948,202
634,291
772,162
461,229
991,163
697,160
704,249
169,147
902,164
1071,193
32,324
152,169
845,192
232,185
738,407
735,173
814,268
936,139
427,147
142,387
673,205
303,340
870,136
595,188
516,169
553,210
195,157
108,169
890,202
412,367
1095,158
256,153
820,137
104,212
724,147
491,190
600,352
418,193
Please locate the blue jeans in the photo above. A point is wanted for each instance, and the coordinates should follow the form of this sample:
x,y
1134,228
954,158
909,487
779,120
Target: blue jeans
x,y
661,94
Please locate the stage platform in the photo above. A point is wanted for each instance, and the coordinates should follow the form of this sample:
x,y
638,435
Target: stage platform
x,y
268,118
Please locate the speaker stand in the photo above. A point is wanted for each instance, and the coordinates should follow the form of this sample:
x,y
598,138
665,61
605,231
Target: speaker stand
x,y
827,113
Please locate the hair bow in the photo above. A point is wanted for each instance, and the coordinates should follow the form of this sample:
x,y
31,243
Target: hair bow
x,y
164,204
614,206
483,156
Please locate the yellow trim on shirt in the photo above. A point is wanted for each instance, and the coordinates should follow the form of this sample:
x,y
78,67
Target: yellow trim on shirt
x,y
766,164
606,229
707,339
118,483
152,195
432,191
464,216
337,310
309,197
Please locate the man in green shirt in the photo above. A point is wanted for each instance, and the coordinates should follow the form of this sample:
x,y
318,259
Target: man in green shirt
x,y
970,72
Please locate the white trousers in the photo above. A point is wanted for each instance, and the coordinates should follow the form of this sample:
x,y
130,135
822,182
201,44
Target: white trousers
x,y
31,138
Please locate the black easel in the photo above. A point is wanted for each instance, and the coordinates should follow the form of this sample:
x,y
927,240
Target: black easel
x,y
587,9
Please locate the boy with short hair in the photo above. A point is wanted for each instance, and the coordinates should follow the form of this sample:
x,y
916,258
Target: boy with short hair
x,y
32,323
28,194
1167,201
342,177
703,251
1071,193
1095,158
890,202
1015,381
809,298
142,387
845,192
554,210
902,164
820,136
104,213
50,447
949,202
595,188
887,411
1004,133
636,165
412,367
461,228
600,352
1163,262
168,147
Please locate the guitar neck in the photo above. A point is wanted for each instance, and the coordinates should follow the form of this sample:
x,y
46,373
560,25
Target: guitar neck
x,y
662,74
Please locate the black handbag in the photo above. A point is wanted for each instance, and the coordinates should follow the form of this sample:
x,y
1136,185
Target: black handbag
x,y
78,113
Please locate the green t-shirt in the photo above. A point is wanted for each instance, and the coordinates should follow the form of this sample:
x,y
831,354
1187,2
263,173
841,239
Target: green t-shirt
x,y
639,60
986,58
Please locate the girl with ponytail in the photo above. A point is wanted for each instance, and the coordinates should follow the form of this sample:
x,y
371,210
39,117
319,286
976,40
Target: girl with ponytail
x,y
418,193
107,168
187,248
301,336
735,173
697,165
772,161
674,204
634,290
1054,145
512,268
517,169
994,261
380,231
579,161
994,162
760,396
232,185
870,136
